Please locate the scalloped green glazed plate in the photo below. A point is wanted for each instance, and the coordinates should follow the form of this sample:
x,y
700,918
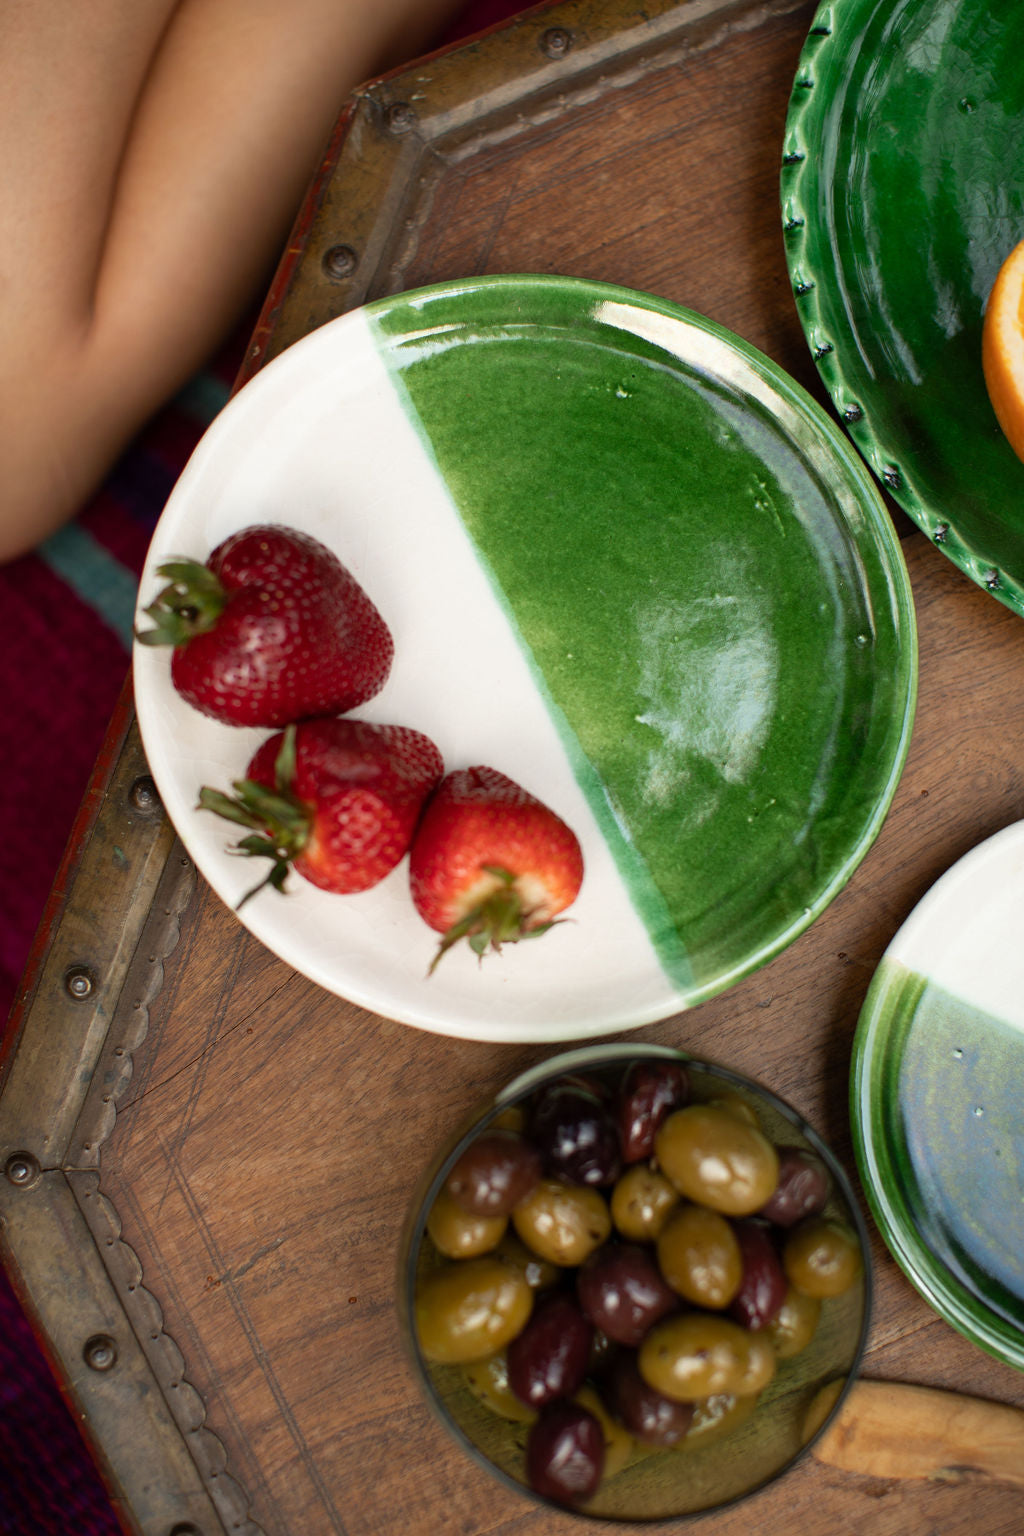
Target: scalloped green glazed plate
x,y
626,561
903,191
936,1096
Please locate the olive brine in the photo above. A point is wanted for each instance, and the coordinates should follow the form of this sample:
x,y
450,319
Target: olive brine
x,y
621,1267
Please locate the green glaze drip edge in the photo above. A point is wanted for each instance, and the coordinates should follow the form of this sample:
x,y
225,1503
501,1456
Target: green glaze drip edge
x,y
643,894
884,1090
781,645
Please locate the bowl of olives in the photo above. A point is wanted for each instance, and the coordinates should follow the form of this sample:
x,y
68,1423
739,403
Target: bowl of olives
x,y
625,1282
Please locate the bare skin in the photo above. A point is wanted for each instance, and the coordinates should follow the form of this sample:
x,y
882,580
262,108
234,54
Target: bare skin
x,y
155,153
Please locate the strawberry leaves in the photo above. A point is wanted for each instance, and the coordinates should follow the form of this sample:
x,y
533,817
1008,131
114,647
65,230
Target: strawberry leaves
x,y
500,918
190,604
281,821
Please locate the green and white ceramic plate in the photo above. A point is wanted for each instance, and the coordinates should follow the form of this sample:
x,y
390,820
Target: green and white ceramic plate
x,y
627,562
902,194
938,1110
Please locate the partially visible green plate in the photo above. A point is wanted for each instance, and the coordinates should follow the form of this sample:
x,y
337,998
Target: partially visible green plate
x,y
937,1101
902,193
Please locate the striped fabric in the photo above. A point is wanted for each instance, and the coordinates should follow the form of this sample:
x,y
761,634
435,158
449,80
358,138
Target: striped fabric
x,y
65,634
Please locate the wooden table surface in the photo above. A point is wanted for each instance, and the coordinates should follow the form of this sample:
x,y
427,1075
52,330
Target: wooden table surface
x,y
207,1159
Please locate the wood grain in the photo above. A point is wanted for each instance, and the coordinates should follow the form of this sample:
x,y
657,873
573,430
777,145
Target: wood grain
x,y
267,1148
265,1156
890,1429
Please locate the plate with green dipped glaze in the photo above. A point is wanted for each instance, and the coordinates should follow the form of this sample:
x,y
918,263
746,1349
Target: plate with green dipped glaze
x,y
902,194
626,561
936,1098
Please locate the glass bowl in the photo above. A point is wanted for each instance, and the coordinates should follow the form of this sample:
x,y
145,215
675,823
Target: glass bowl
x,y
737,1440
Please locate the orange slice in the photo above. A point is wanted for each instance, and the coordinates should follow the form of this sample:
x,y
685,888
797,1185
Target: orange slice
x,y
1002,348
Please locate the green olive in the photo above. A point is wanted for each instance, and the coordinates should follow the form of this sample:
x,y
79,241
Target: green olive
x,y
821,1257
511,1119
795,1324
470,1309
699,1256
716,1158
487,1379
760,1366
457,1234
714,1418
540,1273
641,1201
695,1355
737,1105
563,1223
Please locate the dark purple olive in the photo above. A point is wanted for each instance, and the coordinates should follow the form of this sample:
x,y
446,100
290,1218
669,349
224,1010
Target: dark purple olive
x,y
802,1190
551,1355
646,1413
763,1284
565,1453
588,1082
494,1173
622,1291
577,1137
649,1090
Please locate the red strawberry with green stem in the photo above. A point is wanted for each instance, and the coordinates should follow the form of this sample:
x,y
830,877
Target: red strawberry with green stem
x,y
338,799
490,863
272,629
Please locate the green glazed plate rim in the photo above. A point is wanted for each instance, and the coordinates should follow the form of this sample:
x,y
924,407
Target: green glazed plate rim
x,y
885,434
880,1148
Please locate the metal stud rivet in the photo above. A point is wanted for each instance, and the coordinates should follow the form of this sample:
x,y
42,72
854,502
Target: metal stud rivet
x,y
339,262
400,117
143,796
21,1169
100,1352
79,982
556,42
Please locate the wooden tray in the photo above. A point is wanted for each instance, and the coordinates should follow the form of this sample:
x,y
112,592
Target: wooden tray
x,y
206,1159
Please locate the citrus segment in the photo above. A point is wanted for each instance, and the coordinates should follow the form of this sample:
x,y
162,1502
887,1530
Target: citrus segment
x,y
1002,348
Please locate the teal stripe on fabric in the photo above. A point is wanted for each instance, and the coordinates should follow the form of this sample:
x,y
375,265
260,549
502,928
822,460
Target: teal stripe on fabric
x,y
203,397
102,582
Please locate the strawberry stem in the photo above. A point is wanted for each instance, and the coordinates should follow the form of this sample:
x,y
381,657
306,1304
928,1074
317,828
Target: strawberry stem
x,y
498,919
280,821
189,605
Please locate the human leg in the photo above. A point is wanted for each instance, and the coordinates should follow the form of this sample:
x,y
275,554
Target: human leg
x,y
160,153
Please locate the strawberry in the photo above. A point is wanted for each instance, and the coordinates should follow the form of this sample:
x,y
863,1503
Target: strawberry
x,y
338,799
271,630
490,863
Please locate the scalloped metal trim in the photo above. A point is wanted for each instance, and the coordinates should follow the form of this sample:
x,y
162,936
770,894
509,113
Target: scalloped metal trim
x,y
145,1315
868,441
129,1025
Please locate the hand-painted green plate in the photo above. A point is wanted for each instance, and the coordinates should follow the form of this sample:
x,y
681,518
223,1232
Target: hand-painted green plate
x,y
902,193
627,562
937,1100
